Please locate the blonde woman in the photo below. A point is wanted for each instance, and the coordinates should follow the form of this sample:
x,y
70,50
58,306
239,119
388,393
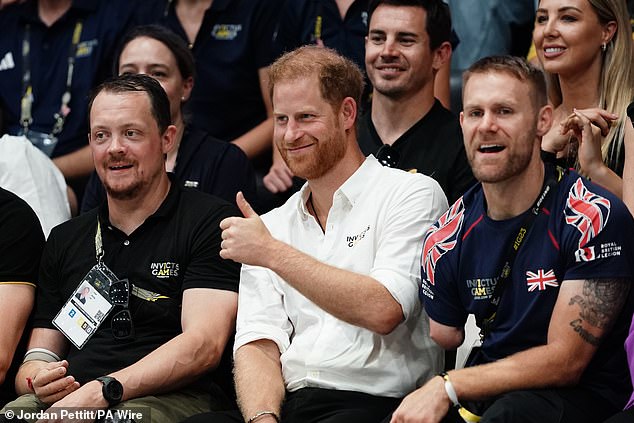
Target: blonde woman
x,y
585,48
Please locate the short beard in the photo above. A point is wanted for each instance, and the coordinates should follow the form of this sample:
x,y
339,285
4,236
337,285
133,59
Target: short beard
x,y
126,194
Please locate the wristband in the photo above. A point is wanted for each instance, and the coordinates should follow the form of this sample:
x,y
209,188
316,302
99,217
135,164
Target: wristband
x,y
263,413
41,354
449,389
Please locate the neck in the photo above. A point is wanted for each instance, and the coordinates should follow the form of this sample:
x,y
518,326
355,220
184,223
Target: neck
x,y
581,90
343,6
322,189
513,197
172,155
393,117
190,13
50,11
127,215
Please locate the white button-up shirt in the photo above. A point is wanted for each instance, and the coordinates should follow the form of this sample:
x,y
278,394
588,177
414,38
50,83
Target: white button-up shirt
x,y
375,227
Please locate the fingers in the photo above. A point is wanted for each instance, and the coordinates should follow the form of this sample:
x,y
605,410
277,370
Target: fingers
x,y
279,179
597,117
244,206
51,383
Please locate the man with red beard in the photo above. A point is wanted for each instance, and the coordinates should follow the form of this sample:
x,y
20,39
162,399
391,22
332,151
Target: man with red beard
x,y
329,323
543,259
163,302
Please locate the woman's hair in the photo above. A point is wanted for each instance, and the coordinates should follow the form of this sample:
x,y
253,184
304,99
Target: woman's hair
x,y
616,87
175,44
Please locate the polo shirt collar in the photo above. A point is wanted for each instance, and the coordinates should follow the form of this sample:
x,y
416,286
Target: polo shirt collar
x,y
351,189
215,5
29,11
166,209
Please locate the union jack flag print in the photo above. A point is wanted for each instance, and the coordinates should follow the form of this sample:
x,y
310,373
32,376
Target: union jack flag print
x,y
541,280
586,211
441,238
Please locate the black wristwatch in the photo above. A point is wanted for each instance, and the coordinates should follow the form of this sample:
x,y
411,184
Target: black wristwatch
x,y
112,389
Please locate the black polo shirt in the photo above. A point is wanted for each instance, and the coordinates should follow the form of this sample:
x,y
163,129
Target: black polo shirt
x,y
21,245
175,249
233,43
432,146
103,24
203,163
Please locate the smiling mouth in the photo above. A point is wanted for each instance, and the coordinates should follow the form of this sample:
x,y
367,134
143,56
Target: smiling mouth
x,y
120,167
554,49
490,148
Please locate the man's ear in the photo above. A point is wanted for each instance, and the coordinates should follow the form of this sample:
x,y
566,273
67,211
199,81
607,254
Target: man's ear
x,y
168,139
544,120
441,56
348,112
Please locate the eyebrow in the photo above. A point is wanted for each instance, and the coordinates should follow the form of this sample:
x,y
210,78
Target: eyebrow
x,y
561,9
398,34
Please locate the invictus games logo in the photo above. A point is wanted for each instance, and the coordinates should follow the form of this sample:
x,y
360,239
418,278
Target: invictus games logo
x,y
225,31
164,270
352,240
482,288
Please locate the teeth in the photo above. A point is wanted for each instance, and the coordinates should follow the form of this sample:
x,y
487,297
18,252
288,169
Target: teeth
x,y
554,49
490,148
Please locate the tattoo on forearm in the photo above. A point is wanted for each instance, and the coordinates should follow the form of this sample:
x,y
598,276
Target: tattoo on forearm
x,y
584,334
601,301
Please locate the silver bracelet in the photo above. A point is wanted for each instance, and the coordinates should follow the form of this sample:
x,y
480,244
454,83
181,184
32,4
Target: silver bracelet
x,y
264,413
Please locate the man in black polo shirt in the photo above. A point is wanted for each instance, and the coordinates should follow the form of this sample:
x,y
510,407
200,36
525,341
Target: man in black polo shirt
x,y
406,127
21,244
171,320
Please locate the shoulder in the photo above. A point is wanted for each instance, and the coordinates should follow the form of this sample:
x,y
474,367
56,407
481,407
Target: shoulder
x,y
590,208
69,229
401,182
445,122
200,205
17,217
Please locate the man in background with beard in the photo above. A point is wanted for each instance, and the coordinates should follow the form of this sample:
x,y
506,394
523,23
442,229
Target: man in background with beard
x,y
329,323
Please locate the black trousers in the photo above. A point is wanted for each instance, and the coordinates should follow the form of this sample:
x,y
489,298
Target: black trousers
x,y
316,405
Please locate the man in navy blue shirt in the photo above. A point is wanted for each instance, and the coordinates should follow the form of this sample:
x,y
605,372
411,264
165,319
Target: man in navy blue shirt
x,y
545,252
52,53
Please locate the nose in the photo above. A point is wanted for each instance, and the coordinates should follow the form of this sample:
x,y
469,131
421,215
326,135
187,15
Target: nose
x,y
550,28
292,132
488,123
116,145
389,48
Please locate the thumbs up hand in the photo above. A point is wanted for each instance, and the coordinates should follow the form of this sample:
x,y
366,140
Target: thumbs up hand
x,y
245,239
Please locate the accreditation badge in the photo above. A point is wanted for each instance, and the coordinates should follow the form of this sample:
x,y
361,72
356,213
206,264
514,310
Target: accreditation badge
x,y
87,307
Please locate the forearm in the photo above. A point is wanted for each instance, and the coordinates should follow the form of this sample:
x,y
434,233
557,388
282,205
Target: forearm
x,y
352,297
604,176
535,368
257,140
77,164
174,364
258,378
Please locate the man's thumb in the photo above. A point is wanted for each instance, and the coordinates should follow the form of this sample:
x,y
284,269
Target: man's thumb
x,y
244,206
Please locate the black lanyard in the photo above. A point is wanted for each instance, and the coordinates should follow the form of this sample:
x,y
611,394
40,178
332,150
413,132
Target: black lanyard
x,y
550,186
26,104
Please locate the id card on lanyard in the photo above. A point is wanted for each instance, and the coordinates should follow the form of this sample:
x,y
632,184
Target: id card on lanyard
x,y
89,304
43,141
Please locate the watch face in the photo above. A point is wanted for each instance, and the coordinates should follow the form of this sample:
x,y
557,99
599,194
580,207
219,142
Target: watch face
x,y
115,390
